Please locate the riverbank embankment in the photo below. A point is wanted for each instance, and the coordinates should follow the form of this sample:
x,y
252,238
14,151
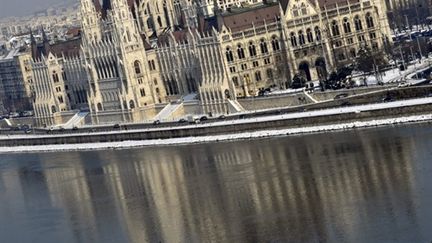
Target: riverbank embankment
x,y
366,114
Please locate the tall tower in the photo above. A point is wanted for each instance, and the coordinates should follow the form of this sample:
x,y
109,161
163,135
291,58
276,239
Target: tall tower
x,y
90,15
136,90
124,24
156,16
33,44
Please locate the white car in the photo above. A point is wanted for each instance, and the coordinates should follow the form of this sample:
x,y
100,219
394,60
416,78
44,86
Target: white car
x,y
404,84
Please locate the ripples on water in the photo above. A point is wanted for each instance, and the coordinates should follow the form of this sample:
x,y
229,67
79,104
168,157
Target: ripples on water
x,y
360,186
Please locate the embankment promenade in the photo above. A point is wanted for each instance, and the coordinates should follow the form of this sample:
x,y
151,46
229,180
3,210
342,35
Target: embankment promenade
x,y
367,114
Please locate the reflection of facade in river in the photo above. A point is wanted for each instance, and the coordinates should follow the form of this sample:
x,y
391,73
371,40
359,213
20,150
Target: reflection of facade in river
x,y
244,193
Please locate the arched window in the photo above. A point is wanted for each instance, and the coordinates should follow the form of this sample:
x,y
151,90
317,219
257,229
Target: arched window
x,y
149,23
358,23
346,25
53,109
55,77
240,52
369,20
128,35
275,44
229,55
137,66
252,49
99,106
64,76
304,9
159,20
353,53
263,46
269,73
293,39
258,76
301,38
335,28
317,33
309,35
132,104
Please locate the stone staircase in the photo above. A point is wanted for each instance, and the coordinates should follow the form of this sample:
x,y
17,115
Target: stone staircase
x,y
76,120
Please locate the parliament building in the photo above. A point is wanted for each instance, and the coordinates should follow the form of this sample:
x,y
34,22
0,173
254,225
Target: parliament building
x,y
144,60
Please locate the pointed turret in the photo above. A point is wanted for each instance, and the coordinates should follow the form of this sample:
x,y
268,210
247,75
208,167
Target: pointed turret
x,y
97,5
32,38
90,20
46,47
33,45
44,35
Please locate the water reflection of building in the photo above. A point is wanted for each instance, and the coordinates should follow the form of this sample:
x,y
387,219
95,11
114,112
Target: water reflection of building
x,y
28,213
293,189
69,190
243,194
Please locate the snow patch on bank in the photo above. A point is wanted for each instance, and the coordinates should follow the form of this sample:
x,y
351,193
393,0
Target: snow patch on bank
x,y
216,138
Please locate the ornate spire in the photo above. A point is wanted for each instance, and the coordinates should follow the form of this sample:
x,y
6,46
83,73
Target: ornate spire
x,y
90,19
44,36
97,5
32,38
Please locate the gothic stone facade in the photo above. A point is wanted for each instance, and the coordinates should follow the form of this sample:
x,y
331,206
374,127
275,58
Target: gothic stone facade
x,y
137,56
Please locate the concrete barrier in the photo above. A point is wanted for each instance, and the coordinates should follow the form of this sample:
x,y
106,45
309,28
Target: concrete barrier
x,y
217,130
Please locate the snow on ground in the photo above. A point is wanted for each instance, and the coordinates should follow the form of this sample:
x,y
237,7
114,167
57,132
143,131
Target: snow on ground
x,y
395,75
315,113
285,91
212,139
190,97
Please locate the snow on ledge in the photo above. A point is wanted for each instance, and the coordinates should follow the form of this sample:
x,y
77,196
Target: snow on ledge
x,y
212,139
289,116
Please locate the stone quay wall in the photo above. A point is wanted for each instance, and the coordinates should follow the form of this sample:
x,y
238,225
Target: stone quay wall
x,y
198,130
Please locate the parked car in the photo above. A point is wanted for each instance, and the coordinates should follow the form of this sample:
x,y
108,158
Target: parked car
x,y
27,113
404,85
157,122
340,96
182,120
203,118
193,119
116,126
13,114
50,130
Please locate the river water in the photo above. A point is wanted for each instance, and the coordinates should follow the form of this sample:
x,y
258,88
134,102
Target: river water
x,y
372,185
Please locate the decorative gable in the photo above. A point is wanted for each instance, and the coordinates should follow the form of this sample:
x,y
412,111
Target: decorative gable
x,y
299,9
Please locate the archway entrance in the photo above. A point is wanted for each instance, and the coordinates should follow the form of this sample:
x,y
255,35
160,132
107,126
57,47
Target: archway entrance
x,y
305,71
321,69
